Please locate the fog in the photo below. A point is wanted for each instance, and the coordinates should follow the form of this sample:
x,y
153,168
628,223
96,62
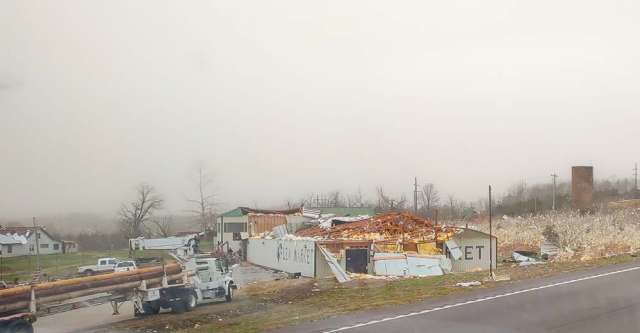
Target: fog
x,y
280,99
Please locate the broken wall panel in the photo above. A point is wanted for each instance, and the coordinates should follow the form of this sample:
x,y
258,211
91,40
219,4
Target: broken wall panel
x,y
399,264
291,256
259,223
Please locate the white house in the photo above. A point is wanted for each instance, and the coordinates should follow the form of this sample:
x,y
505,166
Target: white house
x,y
21,241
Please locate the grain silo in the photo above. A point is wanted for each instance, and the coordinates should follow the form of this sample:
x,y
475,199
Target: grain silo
x,y
582,188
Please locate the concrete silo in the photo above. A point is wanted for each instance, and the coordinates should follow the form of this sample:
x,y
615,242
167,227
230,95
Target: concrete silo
x,y
582,188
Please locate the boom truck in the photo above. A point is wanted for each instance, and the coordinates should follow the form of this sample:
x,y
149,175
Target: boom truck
x,y
195,278
209,277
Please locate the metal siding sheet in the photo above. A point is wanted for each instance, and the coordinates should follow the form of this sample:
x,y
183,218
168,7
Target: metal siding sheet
x,y
454,248
423,266
322,269
394,267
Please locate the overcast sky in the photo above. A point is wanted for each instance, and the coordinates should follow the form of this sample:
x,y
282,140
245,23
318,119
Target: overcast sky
x,y
284,98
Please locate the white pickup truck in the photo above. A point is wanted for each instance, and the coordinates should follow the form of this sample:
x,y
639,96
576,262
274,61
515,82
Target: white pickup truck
x,y
105,265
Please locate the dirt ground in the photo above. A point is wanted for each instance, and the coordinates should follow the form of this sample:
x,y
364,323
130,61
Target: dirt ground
x,y
269,305
100,319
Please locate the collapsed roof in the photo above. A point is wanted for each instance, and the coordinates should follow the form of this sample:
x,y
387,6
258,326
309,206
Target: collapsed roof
x,y
389,226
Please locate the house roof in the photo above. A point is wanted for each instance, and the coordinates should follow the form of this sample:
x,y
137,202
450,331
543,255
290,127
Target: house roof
x,y
242,211
21,233
11,240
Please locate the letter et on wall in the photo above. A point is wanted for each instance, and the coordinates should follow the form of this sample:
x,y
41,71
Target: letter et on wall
x,y
469,251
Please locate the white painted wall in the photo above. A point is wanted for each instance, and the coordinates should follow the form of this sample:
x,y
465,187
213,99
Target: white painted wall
x,y
291,256
475,252
228,236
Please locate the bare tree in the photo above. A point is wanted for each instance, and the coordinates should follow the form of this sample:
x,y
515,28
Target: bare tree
x,y
163,225
204,202
452,209
386,202
355,199
430,196
134,214
334,199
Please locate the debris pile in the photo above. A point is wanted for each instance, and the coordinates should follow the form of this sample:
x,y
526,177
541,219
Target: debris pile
x,y
389,227
589,236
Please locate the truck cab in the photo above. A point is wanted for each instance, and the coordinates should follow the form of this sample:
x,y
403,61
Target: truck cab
x,y
103,265
213,278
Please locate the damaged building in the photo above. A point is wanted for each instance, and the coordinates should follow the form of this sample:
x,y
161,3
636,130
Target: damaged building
x,y
239,224
391,244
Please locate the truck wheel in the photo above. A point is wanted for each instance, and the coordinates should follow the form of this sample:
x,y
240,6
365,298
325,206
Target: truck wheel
x,y
88,272
229,294
150,308
20,327
190,302
178,306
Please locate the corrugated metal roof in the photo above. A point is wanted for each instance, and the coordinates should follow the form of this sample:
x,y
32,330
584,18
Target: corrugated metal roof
x,y
348,211
237,212
242,211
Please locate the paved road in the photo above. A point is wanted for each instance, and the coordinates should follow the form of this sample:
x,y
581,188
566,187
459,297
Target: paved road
x,y
601,300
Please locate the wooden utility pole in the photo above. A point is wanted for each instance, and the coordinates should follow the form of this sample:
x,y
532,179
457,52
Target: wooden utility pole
x,y
635,174
37,235
553,196
490,236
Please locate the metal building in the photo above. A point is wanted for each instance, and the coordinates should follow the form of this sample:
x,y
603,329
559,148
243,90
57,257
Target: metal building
x,y
469,251
582,188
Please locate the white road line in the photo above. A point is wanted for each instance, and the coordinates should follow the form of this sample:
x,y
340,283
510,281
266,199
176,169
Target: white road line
x,y
483,299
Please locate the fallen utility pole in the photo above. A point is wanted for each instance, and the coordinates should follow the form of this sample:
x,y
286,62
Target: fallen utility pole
x,y
490,236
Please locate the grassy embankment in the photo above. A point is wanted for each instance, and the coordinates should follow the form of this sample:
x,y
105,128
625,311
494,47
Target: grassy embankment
x,y
61,265
271,305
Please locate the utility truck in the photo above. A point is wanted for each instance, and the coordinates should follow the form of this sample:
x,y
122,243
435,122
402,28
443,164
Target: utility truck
x,y
196,278
207,278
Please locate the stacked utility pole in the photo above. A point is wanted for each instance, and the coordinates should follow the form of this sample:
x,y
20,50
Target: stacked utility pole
x,y
553,196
